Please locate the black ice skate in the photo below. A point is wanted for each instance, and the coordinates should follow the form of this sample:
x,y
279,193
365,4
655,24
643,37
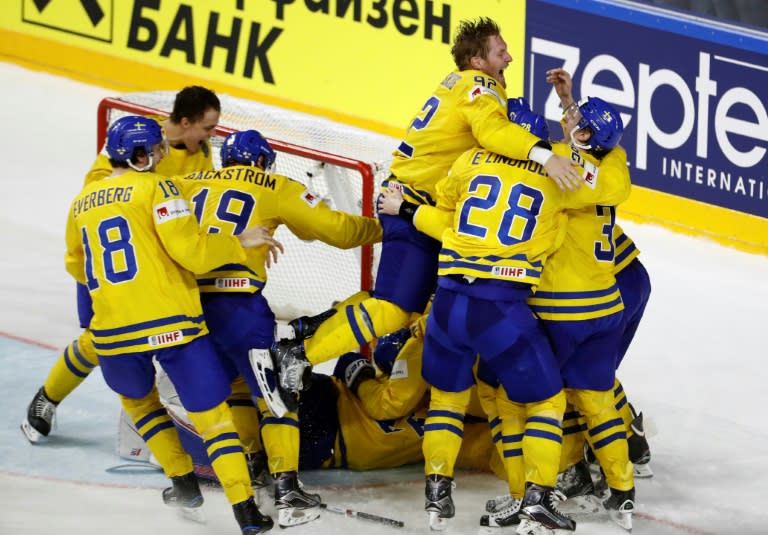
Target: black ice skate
x,y
257,469
576,485
438,502
639,449
41,417
620,506
305,326
507,515
540,506
186,496
294,506
251,520
575,481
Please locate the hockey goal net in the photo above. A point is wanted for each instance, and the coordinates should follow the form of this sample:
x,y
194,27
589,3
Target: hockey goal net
x,y
342,164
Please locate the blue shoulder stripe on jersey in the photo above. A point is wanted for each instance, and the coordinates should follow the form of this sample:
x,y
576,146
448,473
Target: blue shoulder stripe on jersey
x,y
575,309
170,320
406,149
141,340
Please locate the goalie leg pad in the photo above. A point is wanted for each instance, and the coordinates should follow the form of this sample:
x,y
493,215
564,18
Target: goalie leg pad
x,y
279,401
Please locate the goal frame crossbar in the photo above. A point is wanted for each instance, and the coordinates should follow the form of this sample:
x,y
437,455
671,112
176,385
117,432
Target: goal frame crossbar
x,y
364,169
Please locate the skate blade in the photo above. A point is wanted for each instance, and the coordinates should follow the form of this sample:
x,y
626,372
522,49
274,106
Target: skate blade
x,y
292,516
436,523
31,433
497,503
643,471
622,519
581,505
531,527
192,514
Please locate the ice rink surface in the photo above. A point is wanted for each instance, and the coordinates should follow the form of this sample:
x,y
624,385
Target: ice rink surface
x,y
696,369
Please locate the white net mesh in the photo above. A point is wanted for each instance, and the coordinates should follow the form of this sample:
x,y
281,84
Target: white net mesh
x,y
311,275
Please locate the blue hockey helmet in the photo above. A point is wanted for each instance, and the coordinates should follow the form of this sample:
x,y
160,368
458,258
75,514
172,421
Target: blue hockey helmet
x,y
515,105
533,122
129,133
245,147
605,123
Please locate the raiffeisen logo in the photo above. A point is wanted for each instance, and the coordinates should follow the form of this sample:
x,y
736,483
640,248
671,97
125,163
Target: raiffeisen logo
x,y
694,111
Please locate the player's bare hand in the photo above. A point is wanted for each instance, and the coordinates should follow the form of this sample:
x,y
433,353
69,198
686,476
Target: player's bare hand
x,y
564,172
563,84
258,236
390,201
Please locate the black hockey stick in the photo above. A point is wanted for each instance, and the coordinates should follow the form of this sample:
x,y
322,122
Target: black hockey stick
x,y
365,516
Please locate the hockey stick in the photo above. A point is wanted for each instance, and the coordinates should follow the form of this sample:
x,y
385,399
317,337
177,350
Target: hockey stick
x,y
365,516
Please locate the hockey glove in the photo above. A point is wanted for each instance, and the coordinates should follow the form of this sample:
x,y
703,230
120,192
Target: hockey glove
x,y
353,368
388,347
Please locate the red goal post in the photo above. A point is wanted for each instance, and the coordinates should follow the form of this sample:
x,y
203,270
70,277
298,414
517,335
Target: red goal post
x,y
311,276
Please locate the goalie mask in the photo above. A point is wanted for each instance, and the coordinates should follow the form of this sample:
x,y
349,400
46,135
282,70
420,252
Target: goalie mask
x,y
245,148
604,122
129,133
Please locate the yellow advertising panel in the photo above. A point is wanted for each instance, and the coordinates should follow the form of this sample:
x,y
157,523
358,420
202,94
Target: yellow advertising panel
x,y
370,63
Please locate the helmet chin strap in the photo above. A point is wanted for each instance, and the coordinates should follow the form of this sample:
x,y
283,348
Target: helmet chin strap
x,y
142,169
578,145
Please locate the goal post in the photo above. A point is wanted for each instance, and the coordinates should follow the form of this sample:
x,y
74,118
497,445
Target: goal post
x,y
310,276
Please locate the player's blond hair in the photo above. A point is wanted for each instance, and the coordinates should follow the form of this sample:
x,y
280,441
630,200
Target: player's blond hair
x,y
472,40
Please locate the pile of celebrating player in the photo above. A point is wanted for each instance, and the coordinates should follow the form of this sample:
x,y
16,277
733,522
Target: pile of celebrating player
x,y
505,299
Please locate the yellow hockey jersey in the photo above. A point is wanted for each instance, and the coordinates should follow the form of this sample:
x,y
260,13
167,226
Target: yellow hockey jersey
x,y
578,282
508,215
237,197
468,108
383,425
133,240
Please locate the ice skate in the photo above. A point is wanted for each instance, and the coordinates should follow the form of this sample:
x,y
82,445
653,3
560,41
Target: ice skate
x,y
498,502
257,469
540,505
41,417
575,481
251,520
620,506
438,502
294,505
639,449
186,496
576,485
305,326
507,515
